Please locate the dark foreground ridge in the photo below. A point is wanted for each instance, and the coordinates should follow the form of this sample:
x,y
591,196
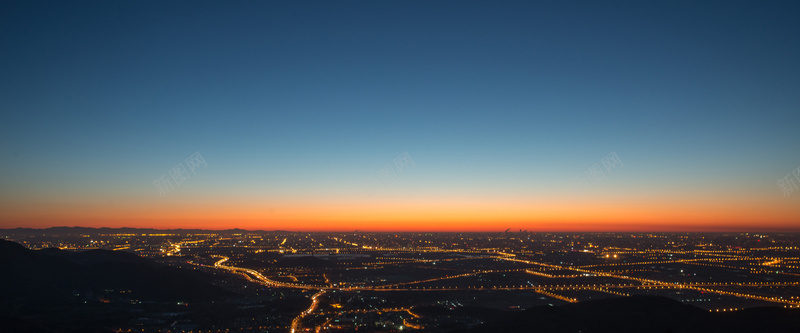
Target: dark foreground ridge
x,y
53,276
642,314
60,291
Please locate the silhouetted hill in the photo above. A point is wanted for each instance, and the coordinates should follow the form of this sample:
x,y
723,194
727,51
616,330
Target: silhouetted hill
x,y
91,257
11,250
762,319
642,314
52,277
19,325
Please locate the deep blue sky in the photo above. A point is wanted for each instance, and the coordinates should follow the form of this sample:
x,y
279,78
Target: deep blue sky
x,y
307,99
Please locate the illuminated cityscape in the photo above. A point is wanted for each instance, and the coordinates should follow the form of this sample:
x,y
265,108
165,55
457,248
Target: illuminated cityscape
x,y
431,166
436,282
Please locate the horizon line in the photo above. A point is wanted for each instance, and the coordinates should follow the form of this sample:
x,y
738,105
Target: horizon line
x,y
711,230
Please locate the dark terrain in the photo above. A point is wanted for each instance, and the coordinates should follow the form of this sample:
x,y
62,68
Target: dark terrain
x,y
52,290
642,314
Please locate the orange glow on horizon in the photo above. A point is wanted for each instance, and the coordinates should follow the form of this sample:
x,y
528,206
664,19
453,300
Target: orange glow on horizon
x,y
476,214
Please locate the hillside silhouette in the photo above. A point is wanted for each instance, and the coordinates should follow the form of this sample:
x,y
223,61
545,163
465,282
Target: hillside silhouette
x,y
53,276
642,314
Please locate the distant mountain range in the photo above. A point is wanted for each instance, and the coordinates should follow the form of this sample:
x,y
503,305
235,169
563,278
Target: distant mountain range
x,y
637,314
124,230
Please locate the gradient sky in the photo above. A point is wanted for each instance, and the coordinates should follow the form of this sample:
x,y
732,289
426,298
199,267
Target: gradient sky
x,y
503,106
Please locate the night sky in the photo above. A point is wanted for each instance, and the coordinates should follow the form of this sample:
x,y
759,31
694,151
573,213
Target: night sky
x,y
401,115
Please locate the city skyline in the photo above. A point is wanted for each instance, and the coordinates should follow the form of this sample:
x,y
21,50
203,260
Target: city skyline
x,y
411,116
286,281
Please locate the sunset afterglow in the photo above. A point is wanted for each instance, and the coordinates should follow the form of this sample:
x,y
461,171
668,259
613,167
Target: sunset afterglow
x,y
392,117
